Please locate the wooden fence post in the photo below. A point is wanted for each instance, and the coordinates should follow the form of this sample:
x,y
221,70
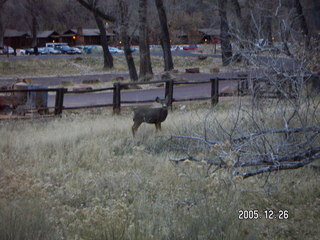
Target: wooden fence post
x,y
169,92
243,86
214,91
59,101
116,98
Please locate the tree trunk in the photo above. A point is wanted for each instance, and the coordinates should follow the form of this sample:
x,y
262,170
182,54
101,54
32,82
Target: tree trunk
x,y
267,22
316,14
90,7
1,31
165,38
145,59
303,23
107,57
268,30
242,27
2,2
226,47
34,35
125,40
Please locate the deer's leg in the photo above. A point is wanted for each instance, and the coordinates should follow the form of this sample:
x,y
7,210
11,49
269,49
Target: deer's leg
x,y
135,127
158,126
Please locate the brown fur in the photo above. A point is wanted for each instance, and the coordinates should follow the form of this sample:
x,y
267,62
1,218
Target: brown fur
x,y
150,115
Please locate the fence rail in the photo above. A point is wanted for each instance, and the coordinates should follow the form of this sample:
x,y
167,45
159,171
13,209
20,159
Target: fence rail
x,y
118,87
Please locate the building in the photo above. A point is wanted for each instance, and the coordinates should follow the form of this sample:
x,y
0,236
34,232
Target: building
x,y
83,36
16,39
209,35
44,37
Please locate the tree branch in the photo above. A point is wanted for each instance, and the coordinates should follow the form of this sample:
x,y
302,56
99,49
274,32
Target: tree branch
x,y
206,160
96,11
295,161
211,143
272,131
281,167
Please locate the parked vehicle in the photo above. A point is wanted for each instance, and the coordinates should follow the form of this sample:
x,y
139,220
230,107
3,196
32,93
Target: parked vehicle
x,y
88,49
175,48
29,51
51,50
190,47
42,51
22,52
98,49
133,49
115,50
81,47
69,50
77,50
55,45
6,50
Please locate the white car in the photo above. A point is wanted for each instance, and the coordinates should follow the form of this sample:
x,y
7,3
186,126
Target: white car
x,y
51,50
115,50
7,50
21,52
42,51
77,50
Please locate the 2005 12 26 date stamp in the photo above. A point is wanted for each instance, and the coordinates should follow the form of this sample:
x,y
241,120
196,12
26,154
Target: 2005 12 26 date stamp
x,y
263,214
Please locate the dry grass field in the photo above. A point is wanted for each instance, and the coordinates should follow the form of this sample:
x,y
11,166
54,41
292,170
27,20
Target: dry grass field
x,y
85,64
83,176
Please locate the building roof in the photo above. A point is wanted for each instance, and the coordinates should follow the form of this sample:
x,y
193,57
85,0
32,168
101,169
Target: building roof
x,y
91,32
51,33
86,32
210,31
14,33
46,34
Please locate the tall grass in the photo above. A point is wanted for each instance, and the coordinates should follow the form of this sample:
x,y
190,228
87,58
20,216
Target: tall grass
x,y
83,176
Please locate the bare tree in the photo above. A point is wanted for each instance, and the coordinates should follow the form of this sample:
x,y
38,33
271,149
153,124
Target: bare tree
x,y
303,23
280,128
165,38
123,7
145,59
35,10
92,5
226,47
2,2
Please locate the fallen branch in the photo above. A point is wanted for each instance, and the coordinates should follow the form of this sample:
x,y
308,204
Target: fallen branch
x,y
295,157
281,167
210,143
206,160
290,161
273,131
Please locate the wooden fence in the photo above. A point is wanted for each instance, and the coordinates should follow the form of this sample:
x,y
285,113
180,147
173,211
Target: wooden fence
x,y
243,86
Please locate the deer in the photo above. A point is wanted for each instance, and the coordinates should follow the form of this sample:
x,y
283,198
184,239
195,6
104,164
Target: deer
x,y
150,115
